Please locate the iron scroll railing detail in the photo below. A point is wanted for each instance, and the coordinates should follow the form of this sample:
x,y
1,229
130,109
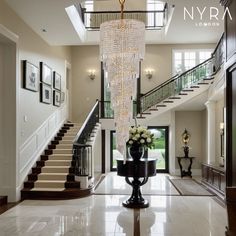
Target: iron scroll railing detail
x,y
82,151
176,85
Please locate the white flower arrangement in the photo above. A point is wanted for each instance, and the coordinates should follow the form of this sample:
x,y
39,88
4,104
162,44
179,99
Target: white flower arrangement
x,y
140,136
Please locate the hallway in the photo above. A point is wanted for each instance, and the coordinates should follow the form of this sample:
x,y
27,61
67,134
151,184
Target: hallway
x,y
103,214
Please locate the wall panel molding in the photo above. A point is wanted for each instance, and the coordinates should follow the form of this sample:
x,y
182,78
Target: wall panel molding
x,y
33,147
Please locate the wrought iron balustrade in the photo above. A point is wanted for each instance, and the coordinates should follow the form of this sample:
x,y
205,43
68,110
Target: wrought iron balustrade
x,y
152,19
192,77
82,151
177,84
219,54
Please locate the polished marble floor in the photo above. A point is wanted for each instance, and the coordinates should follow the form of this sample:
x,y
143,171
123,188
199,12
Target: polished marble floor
x,y
157,185
103,215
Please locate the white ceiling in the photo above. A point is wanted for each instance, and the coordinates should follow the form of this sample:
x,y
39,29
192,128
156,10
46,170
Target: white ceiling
x,y
51,15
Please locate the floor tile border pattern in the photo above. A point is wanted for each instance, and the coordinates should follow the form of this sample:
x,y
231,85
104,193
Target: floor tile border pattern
x,y
211,194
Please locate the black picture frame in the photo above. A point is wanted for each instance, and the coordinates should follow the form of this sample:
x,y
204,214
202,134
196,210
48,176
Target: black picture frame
x,y
30,76
45,93
56,81
46,74
56,98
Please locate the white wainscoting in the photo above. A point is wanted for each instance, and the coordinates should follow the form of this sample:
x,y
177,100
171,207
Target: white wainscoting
x,y
31,150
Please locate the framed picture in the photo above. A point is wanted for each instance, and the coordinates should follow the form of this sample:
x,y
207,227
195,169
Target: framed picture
x,y
45,73
30,76
56,81
56,98
62,97
45,93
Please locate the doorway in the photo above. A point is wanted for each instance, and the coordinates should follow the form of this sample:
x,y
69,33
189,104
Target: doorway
x,y
160,150
9,101
161,147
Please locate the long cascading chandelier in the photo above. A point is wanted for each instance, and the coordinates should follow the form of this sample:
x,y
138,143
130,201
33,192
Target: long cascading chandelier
x,y
122,47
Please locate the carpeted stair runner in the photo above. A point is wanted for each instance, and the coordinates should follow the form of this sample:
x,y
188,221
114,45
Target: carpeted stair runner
x,y
53,175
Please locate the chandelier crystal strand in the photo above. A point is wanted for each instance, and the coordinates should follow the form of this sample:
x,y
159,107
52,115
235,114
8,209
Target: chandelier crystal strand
x,y
122,46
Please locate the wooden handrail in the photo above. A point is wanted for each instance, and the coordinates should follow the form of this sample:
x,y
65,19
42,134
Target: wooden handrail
x,y
175,78
219,42
75,142
118,12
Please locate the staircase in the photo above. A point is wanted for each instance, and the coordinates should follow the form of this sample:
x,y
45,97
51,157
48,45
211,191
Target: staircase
x,y
176,99
53,177
184,87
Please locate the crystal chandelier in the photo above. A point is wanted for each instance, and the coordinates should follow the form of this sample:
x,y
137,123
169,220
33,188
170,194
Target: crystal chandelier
x,y
122,46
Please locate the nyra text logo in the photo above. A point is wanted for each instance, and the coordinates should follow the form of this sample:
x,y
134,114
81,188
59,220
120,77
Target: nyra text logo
x,y
206,16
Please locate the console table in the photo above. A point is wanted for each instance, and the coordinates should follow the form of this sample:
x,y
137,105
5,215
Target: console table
x,y
139,171
187,172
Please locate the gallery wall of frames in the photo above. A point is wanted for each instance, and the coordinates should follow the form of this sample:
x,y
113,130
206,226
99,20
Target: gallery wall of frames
x,y
44,80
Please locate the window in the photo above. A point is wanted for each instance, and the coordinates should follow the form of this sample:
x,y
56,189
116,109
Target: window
x,y
204,56
155,19
184,60
88,5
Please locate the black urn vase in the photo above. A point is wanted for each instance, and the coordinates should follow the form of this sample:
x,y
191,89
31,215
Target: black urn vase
x,y
136,152
186,151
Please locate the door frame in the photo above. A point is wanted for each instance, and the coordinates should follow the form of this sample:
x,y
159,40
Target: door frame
x,y
111,151
166,170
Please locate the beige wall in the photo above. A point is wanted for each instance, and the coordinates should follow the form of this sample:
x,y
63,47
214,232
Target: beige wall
x,y
85,91
192,121
34,49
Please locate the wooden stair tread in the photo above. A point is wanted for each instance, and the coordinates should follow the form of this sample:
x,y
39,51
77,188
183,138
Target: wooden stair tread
x,y
47,189
55,166
146,113
168,101
51,160
202,83
60,154
153,109
51,181
53,174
